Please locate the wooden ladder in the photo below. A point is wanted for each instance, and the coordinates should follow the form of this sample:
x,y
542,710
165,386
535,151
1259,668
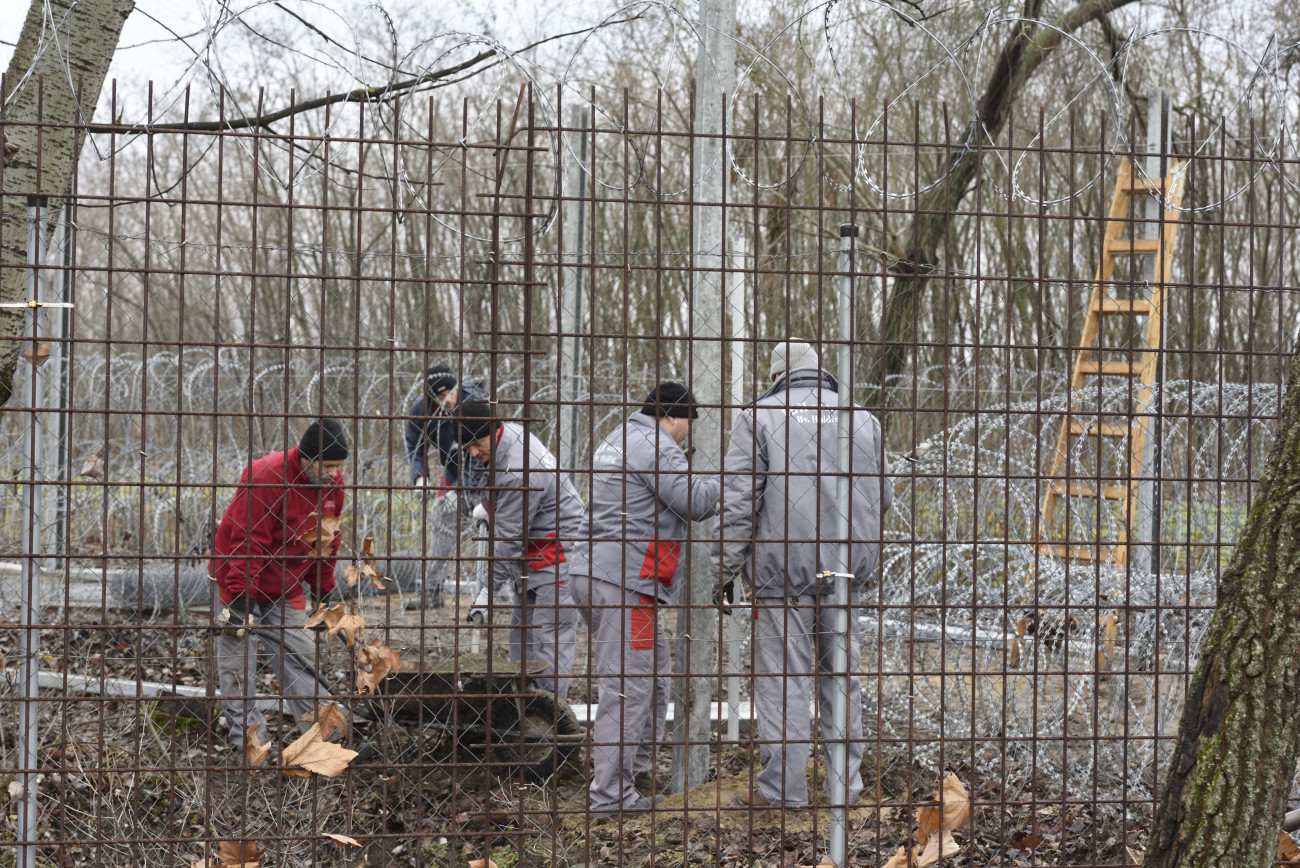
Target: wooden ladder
x,y
1136,360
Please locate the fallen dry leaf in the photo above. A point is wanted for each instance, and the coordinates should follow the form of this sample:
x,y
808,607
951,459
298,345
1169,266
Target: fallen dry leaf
x,y
954,803
376,662
331,718
482,863
351,575
322,533
1287,851
254,750
17,791
368,547
93,466
36,354
898,860
941,845
242,854
315,755
343,840
1110,630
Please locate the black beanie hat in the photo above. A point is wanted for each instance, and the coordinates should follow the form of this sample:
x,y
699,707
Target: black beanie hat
x,y
670,399
439,379
474,421
324,440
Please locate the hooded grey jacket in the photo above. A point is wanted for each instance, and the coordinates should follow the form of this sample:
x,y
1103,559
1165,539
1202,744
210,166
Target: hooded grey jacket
x,y
643,496
536,511
778,496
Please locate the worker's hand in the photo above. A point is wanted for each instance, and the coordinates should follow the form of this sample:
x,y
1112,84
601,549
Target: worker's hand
x,y
420,482
478,612
480,517
723,596
238,620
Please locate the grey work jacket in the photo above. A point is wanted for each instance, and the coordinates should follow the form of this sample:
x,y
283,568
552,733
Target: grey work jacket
x,y
778,490
536,512
643,497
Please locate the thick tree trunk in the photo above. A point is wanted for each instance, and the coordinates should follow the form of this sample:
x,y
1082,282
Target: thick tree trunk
x,y
917,249
1225,792
55,76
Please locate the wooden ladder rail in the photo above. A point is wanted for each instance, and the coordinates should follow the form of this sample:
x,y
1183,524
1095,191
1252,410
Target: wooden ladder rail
x,y
1088,365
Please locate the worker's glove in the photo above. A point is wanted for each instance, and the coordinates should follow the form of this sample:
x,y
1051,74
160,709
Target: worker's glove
x,y
723,596
480,518
478,612
238,620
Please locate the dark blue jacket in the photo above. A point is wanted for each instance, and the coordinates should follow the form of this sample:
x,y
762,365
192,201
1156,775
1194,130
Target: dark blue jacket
x,y
438,429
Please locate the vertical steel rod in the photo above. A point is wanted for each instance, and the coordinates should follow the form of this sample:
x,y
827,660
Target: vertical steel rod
x,y
837,772
29,634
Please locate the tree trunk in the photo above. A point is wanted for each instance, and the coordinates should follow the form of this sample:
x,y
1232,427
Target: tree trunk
x,y
1225,792
917,251
54,77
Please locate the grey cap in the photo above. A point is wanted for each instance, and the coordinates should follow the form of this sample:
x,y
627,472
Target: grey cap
x,y
791,356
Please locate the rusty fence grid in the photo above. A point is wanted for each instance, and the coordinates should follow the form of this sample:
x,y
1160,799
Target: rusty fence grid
x,y
204,295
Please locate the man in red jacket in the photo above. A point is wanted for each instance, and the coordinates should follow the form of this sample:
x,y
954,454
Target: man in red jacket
x,y
280,532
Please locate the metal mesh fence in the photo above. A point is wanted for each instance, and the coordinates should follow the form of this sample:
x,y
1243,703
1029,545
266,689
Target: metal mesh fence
x,y
223,289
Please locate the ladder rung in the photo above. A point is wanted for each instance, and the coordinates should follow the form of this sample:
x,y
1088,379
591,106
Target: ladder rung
x,y
1121,246
1099,429
1123,369
1132,306
1108,492
1113,554
1145,185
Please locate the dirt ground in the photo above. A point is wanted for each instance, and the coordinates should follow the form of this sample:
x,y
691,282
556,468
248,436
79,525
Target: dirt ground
x,y
126,781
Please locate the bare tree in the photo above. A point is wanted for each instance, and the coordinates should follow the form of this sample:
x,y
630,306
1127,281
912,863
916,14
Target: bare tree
x,y
54,77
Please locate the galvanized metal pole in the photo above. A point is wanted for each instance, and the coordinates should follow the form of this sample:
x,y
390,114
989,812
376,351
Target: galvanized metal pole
x,y
575,212
1145,523
736,623
837,771
29,634
697,623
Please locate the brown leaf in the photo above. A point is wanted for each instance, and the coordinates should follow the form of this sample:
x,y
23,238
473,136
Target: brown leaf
x,y
37,354
482,863
351,575
376,662
939,845
368,547
338,619
93,466
952,811
331,718
1287,851
254,750
243,854
316,755
898,860
322,532
343,840
376,577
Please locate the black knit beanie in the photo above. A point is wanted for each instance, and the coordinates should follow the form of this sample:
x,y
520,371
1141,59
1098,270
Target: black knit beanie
x,y
439,379
324,440
474,421
670,399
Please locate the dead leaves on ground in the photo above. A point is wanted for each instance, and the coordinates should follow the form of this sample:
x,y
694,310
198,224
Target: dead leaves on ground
x,y
311,754
1287,851
935,823
234,854
375,662
339,618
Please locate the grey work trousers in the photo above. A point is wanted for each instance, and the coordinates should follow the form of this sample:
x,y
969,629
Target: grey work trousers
x,y
787,633
544,627
634,680
278,632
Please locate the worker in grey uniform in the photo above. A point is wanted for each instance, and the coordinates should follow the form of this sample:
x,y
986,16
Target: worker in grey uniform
x,y
535,516
778,529
643,497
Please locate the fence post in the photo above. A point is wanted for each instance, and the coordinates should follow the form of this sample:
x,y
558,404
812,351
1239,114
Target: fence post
x,y
571,314
698,621
33,510
837,771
